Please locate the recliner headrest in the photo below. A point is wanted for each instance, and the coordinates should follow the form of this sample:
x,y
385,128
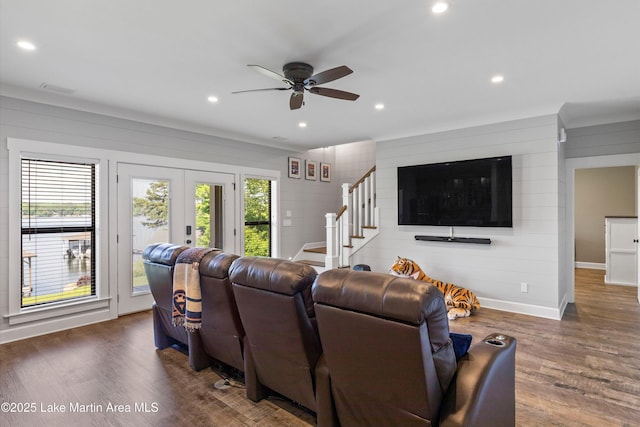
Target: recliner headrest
x,y
216,264
163,253
407,300
272,274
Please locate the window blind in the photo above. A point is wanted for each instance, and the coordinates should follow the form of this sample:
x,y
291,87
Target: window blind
x,y
58,231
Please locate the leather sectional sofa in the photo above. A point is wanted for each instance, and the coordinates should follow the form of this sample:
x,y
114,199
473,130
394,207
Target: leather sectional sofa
x,y
356,347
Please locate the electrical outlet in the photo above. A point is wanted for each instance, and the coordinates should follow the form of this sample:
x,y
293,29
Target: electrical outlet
x,y
524,287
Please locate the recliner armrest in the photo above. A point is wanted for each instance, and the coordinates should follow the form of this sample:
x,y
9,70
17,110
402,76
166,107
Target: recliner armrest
x,y
482,392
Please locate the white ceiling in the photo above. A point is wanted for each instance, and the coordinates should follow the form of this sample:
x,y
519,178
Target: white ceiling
x,y
159,60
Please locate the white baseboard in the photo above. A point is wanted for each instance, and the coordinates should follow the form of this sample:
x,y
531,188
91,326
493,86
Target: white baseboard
x,y
563,305
591,265
35,329
607,282
528,309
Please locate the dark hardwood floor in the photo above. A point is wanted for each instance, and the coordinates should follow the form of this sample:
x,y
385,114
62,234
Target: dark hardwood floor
x,y
581,371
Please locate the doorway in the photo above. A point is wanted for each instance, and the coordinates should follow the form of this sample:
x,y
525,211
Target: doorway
x,y
159,204
601,193
571,165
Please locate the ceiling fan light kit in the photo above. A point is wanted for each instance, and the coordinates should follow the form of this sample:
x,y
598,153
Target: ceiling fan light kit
x,y
300,78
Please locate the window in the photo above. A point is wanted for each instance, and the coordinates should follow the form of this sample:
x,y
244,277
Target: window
x,y
58,228
209,214
257,217
149,224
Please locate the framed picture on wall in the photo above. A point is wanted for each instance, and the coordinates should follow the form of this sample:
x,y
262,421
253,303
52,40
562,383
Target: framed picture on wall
x,y
310,170
294,167
325,172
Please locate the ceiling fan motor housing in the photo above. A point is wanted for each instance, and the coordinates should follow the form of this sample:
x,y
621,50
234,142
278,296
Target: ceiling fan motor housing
x,y
297,72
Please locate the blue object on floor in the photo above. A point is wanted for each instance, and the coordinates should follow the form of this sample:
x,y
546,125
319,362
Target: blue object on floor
x,y
361,267
461,344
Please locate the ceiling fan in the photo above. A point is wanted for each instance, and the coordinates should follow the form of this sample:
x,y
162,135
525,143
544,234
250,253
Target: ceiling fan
x,y
300,78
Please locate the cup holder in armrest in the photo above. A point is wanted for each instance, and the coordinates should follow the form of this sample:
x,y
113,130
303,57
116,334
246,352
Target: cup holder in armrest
x,y
497,340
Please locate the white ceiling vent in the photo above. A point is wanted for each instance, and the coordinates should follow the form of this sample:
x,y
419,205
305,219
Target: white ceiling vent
x,y
59,89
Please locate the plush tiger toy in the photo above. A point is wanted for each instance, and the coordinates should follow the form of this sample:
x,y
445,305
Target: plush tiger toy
x,y
460,302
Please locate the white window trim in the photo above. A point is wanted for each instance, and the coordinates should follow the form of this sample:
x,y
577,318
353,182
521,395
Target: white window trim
x,y
106,198
19,149
275,210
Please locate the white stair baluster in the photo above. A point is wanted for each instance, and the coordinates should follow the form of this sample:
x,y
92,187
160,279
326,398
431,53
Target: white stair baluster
x,y
361,208
332,257
367,202
346,217
372,196
356,216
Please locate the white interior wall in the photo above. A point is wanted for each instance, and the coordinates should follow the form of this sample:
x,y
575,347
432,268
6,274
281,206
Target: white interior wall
x,y
529,252
600,146
354,160
603,140
311,200
39,122
308,201
564,296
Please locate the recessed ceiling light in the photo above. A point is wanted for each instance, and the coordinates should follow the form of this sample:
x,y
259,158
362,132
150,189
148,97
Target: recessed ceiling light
x,y
379,106
212,99
497,78
440,7
302,124
23,44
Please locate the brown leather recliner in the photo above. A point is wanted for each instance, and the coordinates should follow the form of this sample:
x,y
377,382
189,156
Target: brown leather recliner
x,y
284,352
221,333
159,261
391,362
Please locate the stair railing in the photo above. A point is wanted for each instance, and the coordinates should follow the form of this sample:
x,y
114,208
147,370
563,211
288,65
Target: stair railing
x,y
358,212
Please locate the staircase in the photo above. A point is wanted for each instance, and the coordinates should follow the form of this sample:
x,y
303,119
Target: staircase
x,y
348,230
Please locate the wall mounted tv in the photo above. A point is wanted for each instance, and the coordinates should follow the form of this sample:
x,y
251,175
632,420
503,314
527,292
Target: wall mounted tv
x,y
463,193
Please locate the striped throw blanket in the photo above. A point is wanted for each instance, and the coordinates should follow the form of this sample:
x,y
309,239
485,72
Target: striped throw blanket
x,y
187,297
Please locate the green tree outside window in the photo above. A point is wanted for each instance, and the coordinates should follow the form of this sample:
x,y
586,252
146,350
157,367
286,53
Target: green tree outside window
x,y
257,217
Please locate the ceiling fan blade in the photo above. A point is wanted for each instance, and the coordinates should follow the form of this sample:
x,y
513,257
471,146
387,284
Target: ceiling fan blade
x,y
334,93
270,74
328,75
296,99
260,90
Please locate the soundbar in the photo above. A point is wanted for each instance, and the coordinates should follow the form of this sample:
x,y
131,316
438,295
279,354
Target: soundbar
x,y
476,240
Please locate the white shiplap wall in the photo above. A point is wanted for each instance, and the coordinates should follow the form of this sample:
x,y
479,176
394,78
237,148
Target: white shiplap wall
x,y
603,140
354,160
34,121
598,146
348,163
307,202
529,252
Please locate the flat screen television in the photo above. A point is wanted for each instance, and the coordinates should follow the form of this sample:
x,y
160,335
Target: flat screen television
x,y
463,193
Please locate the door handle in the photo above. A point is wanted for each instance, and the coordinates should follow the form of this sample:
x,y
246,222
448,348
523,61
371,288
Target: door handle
x,y
188,241
188,231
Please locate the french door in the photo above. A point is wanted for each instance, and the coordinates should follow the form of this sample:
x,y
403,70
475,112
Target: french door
x,y
159,204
